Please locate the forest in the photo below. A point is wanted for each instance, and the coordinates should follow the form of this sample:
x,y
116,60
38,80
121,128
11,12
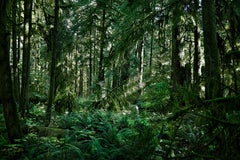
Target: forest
x,y
120,79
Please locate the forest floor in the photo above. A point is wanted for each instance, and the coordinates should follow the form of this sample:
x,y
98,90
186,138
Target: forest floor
x,y
189,132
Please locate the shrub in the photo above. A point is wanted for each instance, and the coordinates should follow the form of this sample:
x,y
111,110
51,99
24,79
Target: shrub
x,y
97,135
155,97
65,100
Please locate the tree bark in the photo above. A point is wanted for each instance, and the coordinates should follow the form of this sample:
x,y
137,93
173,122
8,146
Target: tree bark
x,y
90,65
176,73
212,81
51,94
81,79
196,64
6,94
233,36
16,93
101,58
151,51
125,69
141,64
24,103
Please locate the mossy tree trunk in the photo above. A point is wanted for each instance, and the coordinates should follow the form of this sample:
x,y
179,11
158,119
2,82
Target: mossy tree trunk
x,y
6,94
212,81
140,53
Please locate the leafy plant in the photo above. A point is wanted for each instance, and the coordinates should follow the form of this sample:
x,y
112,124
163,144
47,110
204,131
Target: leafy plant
x,y
65,100
156,97
97,135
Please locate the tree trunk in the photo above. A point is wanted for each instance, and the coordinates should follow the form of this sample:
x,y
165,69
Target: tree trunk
x,y
14,53
116,73
81,80
233,34
125,69
196,78
51,94
212,81
24,103
176,73
90,60
196,57
151,51
90,66
102,45
76,73
6,94
141,65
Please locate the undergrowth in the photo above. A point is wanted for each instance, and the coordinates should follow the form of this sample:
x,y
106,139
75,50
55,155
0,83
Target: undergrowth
x,y
96,135
189,128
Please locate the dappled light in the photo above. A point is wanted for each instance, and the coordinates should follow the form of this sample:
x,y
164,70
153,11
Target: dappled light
x,y
119,80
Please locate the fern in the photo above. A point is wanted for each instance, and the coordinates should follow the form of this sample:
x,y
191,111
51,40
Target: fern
x,y
156,97
98,135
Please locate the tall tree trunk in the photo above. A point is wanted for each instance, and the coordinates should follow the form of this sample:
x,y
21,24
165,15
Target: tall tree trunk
x,y
196,57
233,32
152,38
101,58
24,103
76,73
125,69
81,79
151,51
51,93
176,65
196,78
19,20
18,59
14,53
6,94
141,64
212,82
90,65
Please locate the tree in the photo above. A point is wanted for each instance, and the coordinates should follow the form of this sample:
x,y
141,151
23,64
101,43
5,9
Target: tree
x,y
196,47
176,65
51,94
233,34
6,94
212,81
140,52
16,92
24,103
102,4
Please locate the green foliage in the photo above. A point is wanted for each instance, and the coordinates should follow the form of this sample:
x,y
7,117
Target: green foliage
x,y
197,131
2,121
184,96
189,132
172,125
156,97
113,100
65,100
236,6
96,135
